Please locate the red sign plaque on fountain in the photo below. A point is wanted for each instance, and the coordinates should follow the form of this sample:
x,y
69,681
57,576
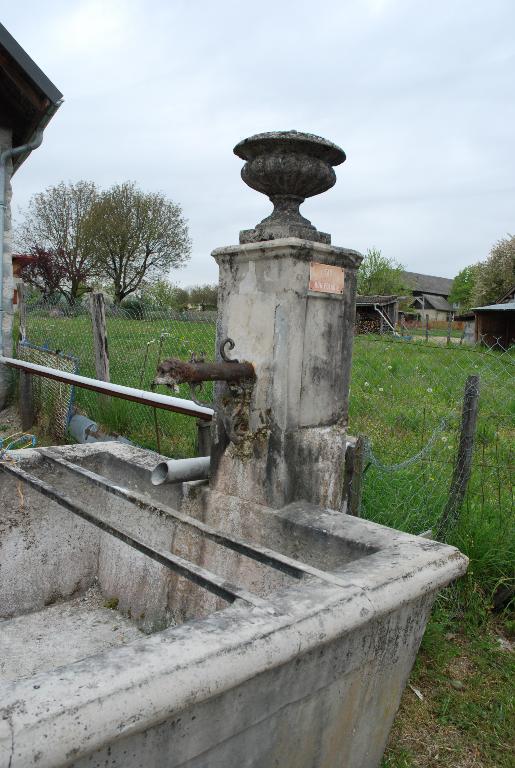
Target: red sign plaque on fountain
x,y
325,278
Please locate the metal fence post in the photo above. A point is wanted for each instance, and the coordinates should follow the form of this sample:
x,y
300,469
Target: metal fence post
x,y
98,320
463,464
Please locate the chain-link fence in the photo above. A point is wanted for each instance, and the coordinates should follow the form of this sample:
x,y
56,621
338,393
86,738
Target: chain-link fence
x,y
52,401
407,400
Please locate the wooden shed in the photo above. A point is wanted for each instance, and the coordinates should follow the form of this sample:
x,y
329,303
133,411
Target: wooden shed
x,y
376,314
495,323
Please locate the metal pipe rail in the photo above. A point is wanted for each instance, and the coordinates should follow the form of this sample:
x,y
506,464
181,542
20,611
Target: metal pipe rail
x,y
154,399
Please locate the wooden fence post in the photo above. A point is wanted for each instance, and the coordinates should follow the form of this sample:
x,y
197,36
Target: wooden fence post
x,y
353,481
449,326
22,310
427,327
463,463
98,320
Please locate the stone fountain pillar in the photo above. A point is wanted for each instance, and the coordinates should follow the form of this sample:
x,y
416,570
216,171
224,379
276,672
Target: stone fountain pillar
x,y
287,299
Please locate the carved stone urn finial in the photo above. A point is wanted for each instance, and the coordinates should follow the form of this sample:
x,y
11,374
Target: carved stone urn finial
x,y
288,166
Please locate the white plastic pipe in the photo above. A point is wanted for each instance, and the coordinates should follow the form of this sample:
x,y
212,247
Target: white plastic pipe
x,y
181,470
166,402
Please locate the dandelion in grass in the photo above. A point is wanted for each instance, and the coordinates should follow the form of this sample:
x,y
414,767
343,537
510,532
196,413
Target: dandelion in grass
x,y
366,384
430,390
444,438
381,389
390,367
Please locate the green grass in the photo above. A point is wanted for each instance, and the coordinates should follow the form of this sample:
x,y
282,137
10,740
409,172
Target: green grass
x,y
465,718
439,332
129,342
400,393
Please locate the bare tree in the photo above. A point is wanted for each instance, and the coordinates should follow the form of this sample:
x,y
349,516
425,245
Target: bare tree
x,y
55,223
138,237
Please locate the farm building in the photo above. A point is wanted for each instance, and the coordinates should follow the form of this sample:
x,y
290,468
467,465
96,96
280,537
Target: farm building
x,y
376,314
28,100
495,323
430,295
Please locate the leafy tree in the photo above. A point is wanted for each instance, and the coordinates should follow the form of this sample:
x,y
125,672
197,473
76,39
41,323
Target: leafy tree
x,y
496,275
163,293
463,287
55,223
204,295
379,275
137,236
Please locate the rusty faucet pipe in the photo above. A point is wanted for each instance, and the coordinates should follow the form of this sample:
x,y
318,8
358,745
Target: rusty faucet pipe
x,y
173,371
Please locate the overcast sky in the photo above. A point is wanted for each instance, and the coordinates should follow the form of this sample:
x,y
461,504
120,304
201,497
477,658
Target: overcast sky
x,y
420,95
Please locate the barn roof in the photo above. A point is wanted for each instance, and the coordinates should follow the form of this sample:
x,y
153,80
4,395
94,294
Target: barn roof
x,y
429,284
435,302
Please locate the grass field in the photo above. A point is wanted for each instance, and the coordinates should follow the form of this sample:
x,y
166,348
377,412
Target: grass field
x,y
134,347
404,396
438,332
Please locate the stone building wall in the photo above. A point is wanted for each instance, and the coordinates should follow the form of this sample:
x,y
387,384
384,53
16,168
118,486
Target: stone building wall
x,y
8,285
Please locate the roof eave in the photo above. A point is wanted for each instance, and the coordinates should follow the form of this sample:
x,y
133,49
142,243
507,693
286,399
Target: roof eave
x,y
30,68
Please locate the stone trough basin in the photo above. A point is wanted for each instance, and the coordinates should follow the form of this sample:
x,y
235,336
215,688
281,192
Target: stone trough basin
x,y
175,626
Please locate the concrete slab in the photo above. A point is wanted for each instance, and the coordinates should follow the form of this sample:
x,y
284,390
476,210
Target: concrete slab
x,y
61,634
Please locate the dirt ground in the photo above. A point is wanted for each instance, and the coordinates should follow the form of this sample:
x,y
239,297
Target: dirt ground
x,y
9,422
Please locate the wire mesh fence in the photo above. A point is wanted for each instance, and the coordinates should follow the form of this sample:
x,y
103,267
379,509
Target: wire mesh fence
x,y
406,398
52,400
138,339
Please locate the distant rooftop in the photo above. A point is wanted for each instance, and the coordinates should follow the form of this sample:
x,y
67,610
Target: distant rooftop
x,y
508,306
429,284
362,301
